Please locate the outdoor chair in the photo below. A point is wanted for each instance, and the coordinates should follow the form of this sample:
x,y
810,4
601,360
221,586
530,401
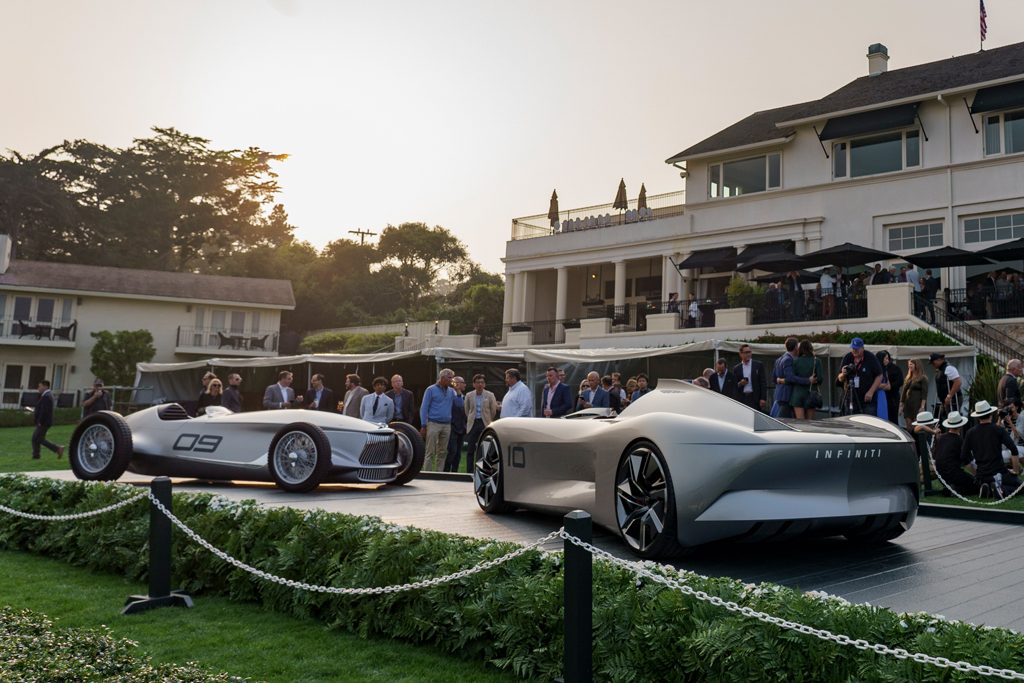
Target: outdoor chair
x,y
24,329
65,332
225,340
258,342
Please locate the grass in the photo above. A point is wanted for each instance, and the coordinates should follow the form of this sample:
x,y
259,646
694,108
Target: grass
x,y
240,639
16,449
1016,503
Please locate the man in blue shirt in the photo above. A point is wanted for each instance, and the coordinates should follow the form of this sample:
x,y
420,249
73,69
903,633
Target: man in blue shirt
x,y
595,396
436,418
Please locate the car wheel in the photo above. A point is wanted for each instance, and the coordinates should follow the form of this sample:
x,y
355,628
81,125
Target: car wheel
x,y
299,457
644,502
877,530
410,452
488,475
101,447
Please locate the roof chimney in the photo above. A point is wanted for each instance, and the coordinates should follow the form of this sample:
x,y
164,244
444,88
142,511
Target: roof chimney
x,y
878,55
6,245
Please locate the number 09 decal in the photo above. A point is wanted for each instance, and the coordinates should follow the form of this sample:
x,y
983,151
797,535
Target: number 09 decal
x,y
197,443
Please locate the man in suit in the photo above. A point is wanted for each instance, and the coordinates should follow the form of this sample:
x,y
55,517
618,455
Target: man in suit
x,y
459,420
595,396
280,394
785,378
480,407
44,420
319,397
354,395
232,398
557,397
405,409
723,381
750,383
377,407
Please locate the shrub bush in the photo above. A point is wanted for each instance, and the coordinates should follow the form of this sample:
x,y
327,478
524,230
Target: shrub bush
x,y
338,342
510,616
917,337
23,418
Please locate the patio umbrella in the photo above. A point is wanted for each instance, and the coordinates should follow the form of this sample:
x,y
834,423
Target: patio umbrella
x,y
777,260
1007,251
641,202
845,255
553,209
621,203
946,257
805,277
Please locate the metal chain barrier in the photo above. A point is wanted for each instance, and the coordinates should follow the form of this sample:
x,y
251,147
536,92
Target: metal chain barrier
x,y
859,643
953,491
335,590
77,515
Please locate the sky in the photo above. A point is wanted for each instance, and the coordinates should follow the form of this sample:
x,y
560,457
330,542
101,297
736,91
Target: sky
x,y
464,114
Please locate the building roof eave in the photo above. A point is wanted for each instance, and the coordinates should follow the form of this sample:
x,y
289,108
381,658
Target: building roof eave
x,y
774,142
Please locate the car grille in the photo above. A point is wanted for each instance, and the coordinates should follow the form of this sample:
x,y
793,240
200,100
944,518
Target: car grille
x,y
376,474
380,449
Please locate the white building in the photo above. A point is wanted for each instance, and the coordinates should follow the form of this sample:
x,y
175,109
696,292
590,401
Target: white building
x,y
902,161
48,310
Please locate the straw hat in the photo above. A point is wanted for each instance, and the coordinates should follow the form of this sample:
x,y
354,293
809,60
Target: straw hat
x,y
954,421
982,408
924,419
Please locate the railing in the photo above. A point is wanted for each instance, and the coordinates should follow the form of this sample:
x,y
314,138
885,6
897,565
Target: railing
x,y
30,328
987,339
599,216
779,306
986,303
544,331
208,338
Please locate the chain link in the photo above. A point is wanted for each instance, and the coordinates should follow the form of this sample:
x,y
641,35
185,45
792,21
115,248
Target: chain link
x,y
77,515
335,590
953,491
859,643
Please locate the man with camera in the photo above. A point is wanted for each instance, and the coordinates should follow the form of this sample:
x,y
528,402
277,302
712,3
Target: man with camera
x,y
984,444
860,376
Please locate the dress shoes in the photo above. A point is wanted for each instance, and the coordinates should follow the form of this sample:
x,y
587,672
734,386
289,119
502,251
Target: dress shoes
x,y
60,452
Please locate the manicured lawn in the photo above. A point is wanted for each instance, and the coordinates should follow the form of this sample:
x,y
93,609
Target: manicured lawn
x,y
1016,503
239,639
16,449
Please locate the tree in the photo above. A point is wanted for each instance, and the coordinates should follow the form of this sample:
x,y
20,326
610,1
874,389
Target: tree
x,y
480,312
115,354
418,254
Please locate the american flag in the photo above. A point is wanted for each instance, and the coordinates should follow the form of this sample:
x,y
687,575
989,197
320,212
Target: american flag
x,y
984,23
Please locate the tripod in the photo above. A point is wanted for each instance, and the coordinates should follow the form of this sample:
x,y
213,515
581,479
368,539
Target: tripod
x,y
851,403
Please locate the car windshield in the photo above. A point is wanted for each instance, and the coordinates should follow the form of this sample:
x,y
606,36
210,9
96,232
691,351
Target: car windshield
x,y
683,398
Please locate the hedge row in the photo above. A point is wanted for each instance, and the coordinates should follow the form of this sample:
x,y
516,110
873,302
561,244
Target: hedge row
x,y
32,649
510,616
915,337
24,418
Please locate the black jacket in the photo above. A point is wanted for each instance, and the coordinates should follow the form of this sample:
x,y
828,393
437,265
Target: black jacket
x,y
757,380
328,401
408,410
232,399
1009,391
44,410
729,387
459,414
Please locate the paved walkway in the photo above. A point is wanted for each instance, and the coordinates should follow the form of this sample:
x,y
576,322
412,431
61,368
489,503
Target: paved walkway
x,y
963,570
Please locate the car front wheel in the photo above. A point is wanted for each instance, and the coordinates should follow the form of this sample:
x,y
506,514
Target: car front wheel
x,y
299,457
644,502
101,447
410,452
488,475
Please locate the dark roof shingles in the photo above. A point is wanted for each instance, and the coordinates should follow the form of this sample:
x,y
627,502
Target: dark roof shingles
x,y
129,282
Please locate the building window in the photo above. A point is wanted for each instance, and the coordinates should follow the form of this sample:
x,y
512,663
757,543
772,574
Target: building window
x,y
993,228
745,176
908,237
1004,133
876,154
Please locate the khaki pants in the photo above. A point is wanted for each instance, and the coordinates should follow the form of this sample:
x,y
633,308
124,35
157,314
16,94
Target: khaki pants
x,y
436,446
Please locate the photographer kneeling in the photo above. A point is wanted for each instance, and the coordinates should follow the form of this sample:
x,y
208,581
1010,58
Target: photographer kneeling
x,y
984,444
860,376
948,454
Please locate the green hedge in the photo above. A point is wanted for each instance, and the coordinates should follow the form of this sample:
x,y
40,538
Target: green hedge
x,y
342,342
511,616
916,337
32,649
23,418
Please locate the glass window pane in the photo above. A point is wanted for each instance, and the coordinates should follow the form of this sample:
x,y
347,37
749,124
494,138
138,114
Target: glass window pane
x,y
988,222
58,379
36,374
44,310
200,316
12,377
3,309
22,307
237,322
839,160
913,148
774,170
1018,231
988,235
880,154
715,181
65,311
1018,219
1004,233
992,135
971,224
1013,131
743,177
255,315
923,230
1003,221
936,240
970,237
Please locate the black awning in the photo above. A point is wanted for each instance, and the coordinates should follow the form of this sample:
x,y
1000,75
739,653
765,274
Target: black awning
x,y
722,258
998,97
869,122
753,250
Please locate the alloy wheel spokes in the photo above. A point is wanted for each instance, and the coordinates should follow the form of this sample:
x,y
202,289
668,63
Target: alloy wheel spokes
x,y
641,498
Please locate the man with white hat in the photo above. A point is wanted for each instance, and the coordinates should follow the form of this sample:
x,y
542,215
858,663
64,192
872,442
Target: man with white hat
x,y
948,454
983,444
925,430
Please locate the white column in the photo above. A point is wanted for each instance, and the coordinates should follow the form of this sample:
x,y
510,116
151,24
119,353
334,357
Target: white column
x,y
688,276
800,246
510,294
562,293
519,309
620,284
667,279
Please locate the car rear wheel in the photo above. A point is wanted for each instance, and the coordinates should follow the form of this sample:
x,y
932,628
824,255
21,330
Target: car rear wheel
x,y
488,475
299,457
410,452
101,447
878,530
644,502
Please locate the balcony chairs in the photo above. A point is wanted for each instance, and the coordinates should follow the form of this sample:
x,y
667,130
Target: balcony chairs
x,y
66,332
225,340
258,342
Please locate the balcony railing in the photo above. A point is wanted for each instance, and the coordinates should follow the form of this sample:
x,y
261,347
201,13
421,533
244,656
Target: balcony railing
x,y
779,306
30,329
599,216
986,303
208,338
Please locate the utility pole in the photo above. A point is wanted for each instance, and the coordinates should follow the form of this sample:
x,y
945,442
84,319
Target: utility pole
x,y
362,234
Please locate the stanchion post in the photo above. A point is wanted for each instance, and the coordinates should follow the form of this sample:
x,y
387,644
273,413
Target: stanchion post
x,y
578,595
160,593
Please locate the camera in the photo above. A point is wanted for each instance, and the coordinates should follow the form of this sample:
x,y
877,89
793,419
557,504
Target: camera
x,y
849,369
1005,412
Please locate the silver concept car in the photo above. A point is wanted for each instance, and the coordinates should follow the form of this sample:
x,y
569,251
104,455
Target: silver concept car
x,y
296,449
683,466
